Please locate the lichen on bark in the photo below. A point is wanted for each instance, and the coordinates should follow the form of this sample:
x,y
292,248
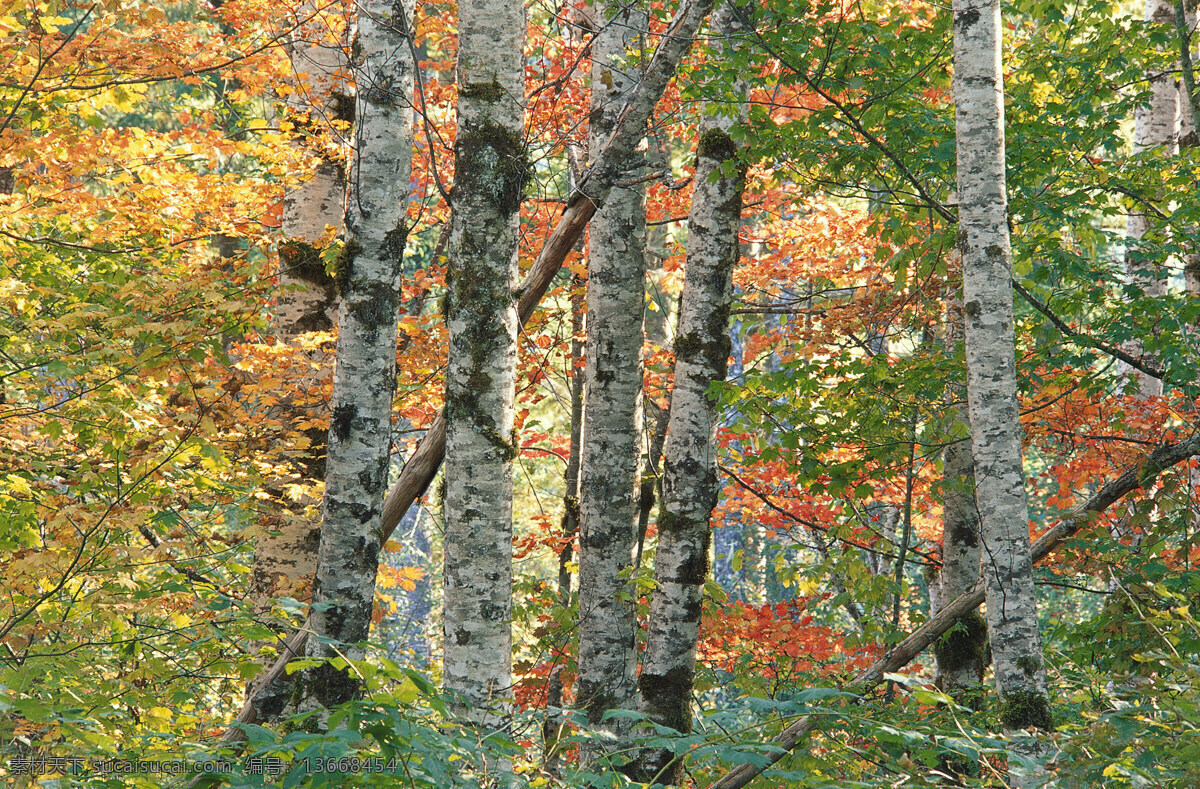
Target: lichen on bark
x,y
491,171
612,409
364,380
991,365
690,485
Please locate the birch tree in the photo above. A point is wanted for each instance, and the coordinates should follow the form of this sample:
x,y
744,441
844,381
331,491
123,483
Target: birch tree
x,y
364,379
1156,128
690,483
598,181
491,170
612,409
961,654
991,368
285,557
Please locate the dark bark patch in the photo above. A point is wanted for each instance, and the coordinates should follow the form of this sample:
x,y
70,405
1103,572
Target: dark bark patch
x,y
667,522
464,406
269,702
343,266
963,646
712,345
303,261
366,478
965,535
973,309
694,569
343,107
331,686
1025,708
376,312
967,18
357,509
394,242
335,620
716,145
483,91
571,508
596,699
373,480
368,550
491,162
312,540
343,420
462,636
668,697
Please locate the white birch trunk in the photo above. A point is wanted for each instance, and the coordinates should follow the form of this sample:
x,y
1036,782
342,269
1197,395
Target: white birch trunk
x,y
1156,127
690,482
961,655
422,466
1189,101
991,366
481,315
612,413
285,556
364,379
320,95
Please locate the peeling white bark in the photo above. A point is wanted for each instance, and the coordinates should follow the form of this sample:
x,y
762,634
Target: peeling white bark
x,y
690,482
608,494
991,367
364,379
1156,128
481,316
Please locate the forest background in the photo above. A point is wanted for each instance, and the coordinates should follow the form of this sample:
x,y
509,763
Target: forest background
x,y
174,248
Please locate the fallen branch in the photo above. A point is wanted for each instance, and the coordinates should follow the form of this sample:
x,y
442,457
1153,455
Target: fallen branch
x,y
1135,478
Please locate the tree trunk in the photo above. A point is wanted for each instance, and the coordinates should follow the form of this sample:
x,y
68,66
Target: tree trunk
x,y
1156,127
589,194
650,473
962,654
612,412
285,556
690,482
364,379
491,170
422,466
991,366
